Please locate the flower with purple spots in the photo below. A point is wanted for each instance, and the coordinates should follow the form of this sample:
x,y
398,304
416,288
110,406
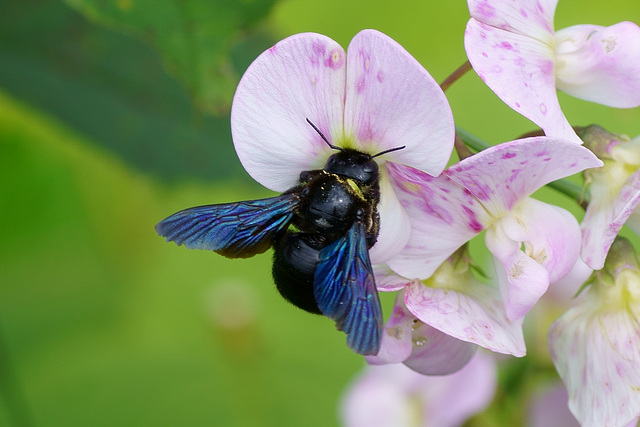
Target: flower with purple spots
x,y
372,98
392,395
513,47
534,243
595,345
615,192
438,323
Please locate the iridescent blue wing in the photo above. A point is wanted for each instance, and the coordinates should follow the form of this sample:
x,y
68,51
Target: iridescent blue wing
x,y
345,290
235,230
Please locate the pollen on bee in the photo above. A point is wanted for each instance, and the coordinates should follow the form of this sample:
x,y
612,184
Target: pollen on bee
x,y
356,189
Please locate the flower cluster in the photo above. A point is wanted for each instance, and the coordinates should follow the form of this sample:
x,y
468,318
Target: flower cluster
x,y
376,97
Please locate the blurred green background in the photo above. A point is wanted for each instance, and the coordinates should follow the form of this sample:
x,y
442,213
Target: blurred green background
x,y
115,114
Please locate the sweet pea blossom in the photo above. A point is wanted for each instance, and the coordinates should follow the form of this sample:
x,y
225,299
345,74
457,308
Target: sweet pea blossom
x,y
392,396
372,98
513,47
615,192
438,323
595,345
533,243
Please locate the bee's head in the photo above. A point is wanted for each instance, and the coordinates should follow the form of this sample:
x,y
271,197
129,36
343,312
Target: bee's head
x,y
352,163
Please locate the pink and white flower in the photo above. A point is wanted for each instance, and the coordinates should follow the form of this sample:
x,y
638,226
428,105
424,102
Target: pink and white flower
x,y
595,345
393,395
438,323
513,47
372,98
533,243
615,192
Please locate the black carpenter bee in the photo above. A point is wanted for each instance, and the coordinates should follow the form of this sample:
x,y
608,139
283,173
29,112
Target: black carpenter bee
x,y
321,231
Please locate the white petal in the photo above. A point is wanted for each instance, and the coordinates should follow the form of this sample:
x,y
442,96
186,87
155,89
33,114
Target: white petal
x,y
608,211
528,18
394,223
600,64
475,314
596,352
442,214
392,101
521,71
503,175
302,76
551,235
522,280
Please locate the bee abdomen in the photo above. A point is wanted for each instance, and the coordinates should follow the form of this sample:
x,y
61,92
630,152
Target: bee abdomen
x,y
295,259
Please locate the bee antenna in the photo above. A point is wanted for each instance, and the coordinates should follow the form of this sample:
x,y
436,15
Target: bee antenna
x,y
388,151
335,147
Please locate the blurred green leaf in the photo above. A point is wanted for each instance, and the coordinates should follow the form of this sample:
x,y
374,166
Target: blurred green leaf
x,y
194,37
113,88
107,324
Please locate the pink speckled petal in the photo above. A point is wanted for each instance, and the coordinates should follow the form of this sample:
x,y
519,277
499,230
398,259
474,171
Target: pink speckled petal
x,y
502,175
302,76
520,70
532,18
442,214
392,101
436,353
522,280
606,214
550,235
396,345
475,314
596,353
394,223
600,64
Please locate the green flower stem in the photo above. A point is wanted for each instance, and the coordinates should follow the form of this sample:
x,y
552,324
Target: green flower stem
x,y
564,186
